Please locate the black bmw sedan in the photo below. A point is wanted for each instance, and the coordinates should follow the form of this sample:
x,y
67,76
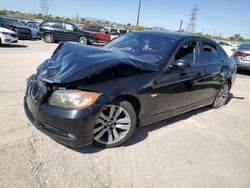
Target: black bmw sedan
x,y
84,94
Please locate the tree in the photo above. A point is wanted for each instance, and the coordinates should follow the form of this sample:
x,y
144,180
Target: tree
x,y
3,13
204,35
139,28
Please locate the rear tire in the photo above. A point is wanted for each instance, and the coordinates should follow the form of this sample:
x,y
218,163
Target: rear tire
x,y
115,125
49,38
222,96
83,40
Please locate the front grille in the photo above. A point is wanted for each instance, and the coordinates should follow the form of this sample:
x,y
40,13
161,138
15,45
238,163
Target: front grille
x,y
19,30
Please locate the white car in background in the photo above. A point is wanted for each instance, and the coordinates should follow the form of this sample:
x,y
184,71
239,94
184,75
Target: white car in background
x,y
7,36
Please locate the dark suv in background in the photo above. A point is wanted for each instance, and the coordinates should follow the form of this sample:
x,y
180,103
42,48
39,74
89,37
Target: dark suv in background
x,y
14,24
62,31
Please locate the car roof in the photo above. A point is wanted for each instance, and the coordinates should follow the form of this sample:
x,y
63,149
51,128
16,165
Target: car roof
x,y
176,35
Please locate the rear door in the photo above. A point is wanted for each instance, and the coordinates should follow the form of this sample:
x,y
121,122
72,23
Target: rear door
x,y
70,33
212,62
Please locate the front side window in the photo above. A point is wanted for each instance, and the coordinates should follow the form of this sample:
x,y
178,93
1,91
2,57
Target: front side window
x,y
143,47
187,52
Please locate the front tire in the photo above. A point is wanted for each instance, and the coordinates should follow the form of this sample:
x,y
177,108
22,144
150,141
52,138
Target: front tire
x,y
49,38
222,96
115,124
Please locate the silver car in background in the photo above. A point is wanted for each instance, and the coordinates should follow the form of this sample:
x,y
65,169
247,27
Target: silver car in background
x,y
242,56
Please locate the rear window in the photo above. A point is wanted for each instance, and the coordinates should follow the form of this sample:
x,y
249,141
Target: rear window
x,y
245,47
1,21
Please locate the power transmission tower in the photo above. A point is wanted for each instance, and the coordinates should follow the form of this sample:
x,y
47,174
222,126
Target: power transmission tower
x,y
44,7
192,21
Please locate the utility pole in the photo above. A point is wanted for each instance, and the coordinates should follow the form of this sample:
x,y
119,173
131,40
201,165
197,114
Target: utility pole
x,y
77,18
138,15
192,20
44,7
180,29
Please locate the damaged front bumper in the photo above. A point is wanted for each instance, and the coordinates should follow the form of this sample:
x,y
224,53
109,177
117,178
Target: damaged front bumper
x,y
73,128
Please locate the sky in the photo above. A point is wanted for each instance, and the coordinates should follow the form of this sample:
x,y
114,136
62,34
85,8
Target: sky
x,y
225,17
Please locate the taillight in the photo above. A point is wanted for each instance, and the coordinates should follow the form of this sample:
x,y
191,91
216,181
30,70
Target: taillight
x,y
240,54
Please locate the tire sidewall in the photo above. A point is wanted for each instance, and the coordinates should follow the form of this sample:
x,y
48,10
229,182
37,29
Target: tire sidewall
x,y
214,105
130,110
51,36
84,38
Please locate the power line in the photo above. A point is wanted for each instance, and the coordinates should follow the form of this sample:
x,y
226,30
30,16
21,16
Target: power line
x,y
44,7
192,21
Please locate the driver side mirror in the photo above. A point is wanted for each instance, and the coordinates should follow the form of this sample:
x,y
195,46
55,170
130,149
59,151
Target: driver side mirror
x,y
181,64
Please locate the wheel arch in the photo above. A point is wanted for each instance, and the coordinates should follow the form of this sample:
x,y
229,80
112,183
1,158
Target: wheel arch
x,y
133,100
229,81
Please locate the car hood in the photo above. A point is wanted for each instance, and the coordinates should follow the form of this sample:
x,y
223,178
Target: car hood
x,y
2,29
72,62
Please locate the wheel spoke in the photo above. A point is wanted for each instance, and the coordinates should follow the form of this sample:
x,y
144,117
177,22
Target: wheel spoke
x,y
101,121
116,135
117,113
103,116
123,120
96,130
122,126
111,112
100,134
110,137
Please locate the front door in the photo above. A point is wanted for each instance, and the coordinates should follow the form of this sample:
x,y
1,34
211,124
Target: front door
x,y
180,87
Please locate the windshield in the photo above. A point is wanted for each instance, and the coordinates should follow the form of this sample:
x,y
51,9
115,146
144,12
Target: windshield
x,y
143,47
15,23
245,46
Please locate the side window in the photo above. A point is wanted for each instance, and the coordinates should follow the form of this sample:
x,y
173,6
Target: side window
x,y
209,48
57,25
2,21
187,52
91,28
68,27
222,55
209,53
102,30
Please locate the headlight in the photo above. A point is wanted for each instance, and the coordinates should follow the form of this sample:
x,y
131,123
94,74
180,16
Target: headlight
x,y
72,99
5,33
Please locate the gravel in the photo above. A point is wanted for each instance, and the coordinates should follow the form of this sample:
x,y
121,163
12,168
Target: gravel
x,y
202,148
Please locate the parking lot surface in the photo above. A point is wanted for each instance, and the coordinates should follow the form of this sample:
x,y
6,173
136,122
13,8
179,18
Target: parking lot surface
x,y
202,148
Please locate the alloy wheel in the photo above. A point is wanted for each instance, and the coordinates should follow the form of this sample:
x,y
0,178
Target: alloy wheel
x,y
83,40
49,38
112,126
222,96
